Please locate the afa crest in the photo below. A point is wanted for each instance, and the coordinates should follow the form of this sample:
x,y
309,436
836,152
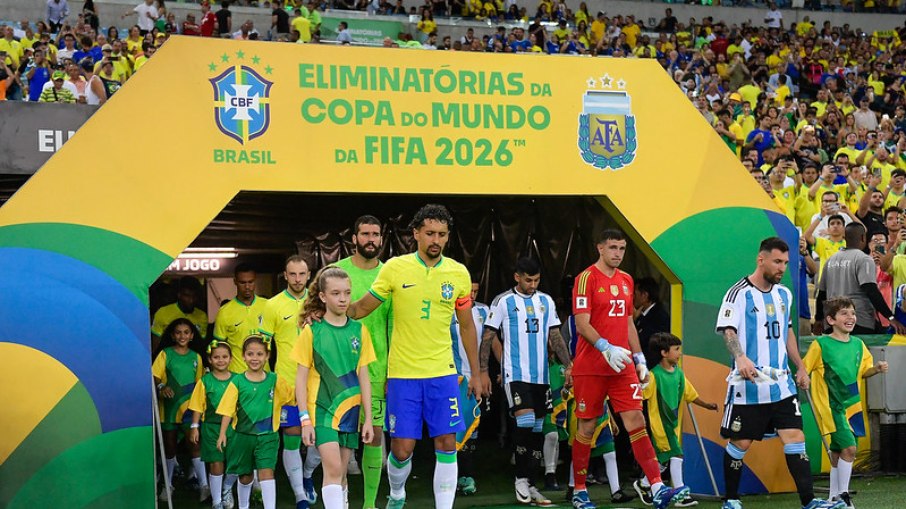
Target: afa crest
x,y
607,132
446,290
242,107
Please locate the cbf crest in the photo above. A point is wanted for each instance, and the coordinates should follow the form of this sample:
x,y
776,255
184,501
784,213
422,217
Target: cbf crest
x,y
446,290
607,133
242,107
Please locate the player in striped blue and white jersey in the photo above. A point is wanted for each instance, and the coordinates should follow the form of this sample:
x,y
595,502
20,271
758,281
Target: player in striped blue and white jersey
x,y
527,324
754,320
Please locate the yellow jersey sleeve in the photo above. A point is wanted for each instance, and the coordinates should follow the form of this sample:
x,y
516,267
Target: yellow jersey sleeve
x,y
302,353
158,323
268,325
227,406
383,284
220,332
199,368
812,360
366,356
159,367
689,393
868,362
198,402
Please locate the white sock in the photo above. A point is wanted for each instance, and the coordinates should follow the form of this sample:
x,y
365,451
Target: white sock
x,y
613,473
676,471
644,482
171,466
445,477
292,463
269,494
551,452
834,482
844,473
572,480
228,481
244,492
397,477
198,467
216,483
332,496
312,460
656,487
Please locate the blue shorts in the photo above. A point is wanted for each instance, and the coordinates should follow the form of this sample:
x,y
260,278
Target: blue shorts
x,y
433,401
289,416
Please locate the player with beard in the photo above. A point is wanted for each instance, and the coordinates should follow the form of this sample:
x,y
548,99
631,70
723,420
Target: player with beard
x,y
754,320
363,268
426,289
279,323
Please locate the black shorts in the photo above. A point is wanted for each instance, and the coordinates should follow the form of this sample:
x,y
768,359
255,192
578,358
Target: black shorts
x,y
524,395
753,422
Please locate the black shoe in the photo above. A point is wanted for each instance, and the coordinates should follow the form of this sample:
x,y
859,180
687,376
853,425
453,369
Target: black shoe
x,y
846,498
569,493
550,482
643,492
621,496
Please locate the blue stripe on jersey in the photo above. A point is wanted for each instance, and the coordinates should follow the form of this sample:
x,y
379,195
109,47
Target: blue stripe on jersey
x,y
531,324
785,326
573,336
513,320
751,345
546,328
454,336
773,347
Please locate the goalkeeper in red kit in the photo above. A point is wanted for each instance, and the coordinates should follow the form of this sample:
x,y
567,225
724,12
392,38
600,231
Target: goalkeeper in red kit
x,y
609,363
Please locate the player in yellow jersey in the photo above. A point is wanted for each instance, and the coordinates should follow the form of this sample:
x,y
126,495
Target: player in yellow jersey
x,y
188,290
240,317
280,323
426,289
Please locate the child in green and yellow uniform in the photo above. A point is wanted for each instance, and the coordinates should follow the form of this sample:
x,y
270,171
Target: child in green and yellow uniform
x,y
252,402
332,381
667,391
841,363
176,370
204,402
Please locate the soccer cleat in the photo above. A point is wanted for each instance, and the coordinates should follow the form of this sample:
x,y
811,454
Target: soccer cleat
x,y
581,501
550,482
539,500
308,485
523,496
228,502
818,503
732,504
644,492
466,485
204,493
847,499
396,503
165,493
665,496
302,504
686,501
621,496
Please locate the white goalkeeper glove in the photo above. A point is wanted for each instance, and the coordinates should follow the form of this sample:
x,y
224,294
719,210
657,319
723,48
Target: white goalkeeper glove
x,y
617,357
641,366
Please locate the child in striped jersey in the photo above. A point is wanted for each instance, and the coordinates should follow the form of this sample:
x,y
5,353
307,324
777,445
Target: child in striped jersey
x,y
205,399
176,370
